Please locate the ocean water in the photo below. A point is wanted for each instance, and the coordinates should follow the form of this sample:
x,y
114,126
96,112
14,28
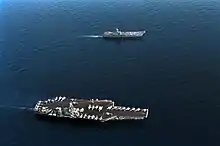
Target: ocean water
x,y
47,50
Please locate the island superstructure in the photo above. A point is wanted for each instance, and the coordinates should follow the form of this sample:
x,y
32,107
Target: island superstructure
x,y
123,34
90,109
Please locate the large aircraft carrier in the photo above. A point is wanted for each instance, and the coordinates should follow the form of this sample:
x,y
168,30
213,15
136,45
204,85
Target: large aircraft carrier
x,y
91,109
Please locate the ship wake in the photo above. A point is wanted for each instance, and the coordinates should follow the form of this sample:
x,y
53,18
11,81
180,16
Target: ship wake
x,y
91,36
16,107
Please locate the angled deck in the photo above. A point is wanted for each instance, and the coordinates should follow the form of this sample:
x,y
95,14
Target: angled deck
x,y
101,110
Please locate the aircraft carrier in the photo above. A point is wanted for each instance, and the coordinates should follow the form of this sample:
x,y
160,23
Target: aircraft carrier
x,y
121,34
90,109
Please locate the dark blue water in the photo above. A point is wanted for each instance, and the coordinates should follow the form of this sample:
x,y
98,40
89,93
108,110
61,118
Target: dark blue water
x,y
174,70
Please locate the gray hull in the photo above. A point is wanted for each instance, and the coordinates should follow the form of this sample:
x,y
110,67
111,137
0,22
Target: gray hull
x,y
135,34
100,110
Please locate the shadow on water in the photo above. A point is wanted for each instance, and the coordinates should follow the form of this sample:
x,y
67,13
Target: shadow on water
x,y
90,123
123,40
114,40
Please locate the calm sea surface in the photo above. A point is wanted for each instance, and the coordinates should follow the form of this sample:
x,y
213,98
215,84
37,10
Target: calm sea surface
x,y
48,48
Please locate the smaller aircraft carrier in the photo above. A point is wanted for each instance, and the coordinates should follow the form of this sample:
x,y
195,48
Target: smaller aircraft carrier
x,y
93,109
121,34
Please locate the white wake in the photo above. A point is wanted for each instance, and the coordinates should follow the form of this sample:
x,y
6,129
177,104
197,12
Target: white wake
x,y
16,107
91,36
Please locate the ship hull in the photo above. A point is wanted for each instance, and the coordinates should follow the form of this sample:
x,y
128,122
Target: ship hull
x,y
137,34
97,110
